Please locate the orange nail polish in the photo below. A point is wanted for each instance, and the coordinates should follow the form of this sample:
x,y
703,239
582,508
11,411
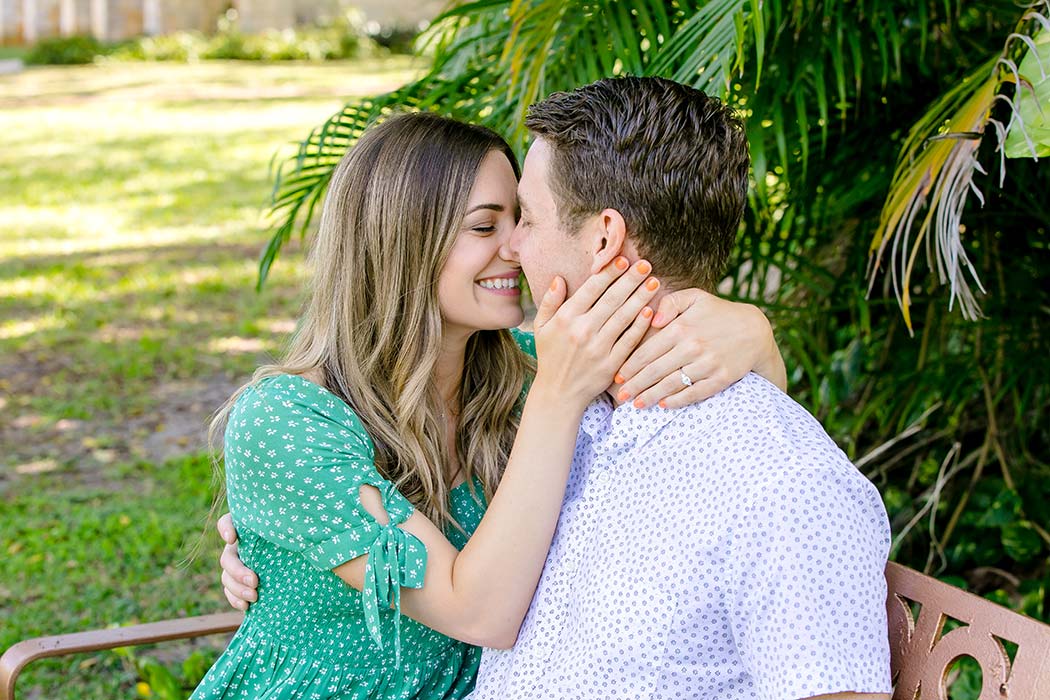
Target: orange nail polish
x,y
647,312
663,403
644,267
622,397
621,263
653,284
554,284
619,380
638,403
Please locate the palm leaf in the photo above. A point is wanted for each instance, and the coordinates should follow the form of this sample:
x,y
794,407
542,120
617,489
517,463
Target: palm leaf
x,y
705,49
935,172
1032,99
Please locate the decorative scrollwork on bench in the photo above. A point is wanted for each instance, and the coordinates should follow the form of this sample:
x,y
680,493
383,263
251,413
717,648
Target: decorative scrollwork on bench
x,y
921,654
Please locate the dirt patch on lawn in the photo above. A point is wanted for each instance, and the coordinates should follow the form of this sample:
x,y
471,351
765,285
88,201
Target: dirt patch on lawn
x,y
80,449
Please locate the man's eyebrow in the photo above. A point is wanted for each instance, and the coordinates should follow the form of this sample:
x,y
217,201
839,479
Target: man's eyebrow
x,y
493,207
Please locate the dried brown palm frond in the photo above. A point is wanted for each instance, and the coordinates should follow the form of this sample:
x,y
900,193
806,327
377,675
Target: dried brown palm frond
x,y
936,169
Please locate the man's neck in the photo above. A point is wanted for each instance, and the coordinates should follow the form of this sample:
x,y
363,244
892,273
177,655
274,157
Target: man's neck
x,y
614,389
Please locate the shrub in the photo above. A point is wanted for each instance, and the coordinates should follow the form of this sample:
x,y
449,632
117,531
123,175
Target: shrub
x,y
65,51
183,47
340,38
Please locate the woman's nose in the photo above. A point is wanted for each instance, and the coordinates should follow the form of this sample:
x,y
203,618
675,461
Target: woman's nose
x,y
508,249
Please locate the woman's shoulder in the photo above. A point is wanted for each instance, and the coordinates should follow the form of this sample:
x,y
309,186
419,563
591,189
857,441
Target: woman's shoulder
x,y
291,407
292,393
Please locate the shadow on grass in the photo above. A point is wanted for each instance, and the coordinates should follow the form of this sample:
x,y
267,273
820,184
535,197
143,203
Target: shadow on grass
x,y
133,347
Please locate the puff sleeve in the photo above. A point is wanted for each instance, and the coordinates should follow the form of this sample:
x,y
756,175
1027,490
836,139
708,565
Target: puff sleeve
x,y
296,459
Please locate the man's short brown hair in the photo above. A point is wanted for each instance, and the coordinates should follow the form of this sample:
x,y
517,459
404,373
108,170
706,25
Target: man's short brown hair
x,y
672,160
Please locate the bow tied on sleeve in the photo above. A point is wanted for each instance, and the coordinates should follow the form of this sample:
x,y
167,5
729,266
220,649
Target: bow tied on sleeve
x,y
396,559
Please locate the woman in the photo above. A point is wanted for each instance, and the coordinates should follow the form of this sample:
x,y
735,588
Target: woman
x,y
369,455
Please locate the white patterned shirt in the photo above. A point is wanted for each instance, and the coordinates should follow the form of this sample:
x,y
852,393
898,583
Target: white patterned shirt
x,y
724,550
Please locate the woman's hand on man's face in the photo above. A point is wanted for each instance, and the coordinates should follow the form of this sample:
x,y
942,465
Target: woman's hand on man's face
x,y
239,583
581,341
715,342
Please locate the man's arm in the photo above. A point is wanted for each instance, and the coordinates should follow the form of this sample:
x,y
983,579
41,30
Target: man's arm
x,y
809,592
239,583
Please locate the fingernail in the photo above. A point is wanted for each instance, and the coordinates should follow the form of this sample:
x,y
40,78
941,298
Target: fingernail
x,y
644,267
653,284
618,379
554,284
621,263
638,403
663,403
622,397
247,580
647,312
657,319
245,593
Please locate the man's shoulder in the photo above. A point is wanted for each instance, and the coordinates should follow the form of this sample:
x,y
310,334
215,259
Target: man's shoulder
x,y
752,410
756,433
754,393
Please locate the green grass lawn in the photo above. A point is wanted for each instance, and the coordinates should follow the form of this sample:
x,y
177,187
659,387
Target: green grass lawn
x,y
130,226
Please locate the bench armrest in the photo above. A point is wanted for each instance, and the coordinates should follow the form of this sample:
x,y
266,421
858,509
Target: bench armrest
x,y
18,656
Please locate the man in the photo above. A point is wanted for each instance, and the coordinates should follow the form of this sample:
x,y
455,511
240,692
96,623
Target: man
x,y
723,550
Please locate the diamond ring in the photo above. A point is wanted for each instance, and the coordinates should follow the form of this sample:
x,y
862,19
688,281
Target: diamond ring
x,y
686,381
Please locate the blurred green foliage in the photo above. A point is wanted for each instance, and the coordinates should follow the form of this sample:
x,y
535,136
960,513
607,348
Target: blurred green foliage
x,y
342,37
65,51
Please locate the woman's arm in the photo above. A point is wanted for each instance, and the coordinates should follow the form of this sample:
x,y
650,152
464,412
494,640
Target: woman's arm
x,y
713,340
481,594
719,341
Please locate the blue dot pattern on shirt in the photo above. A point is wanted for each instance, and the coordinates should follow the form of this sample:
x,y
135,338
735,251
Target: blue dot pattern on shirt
x,y
725,550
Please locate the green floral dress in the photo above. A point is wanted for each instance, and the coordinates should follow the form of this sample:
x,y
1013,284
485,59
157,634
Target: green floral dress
x,y
296,457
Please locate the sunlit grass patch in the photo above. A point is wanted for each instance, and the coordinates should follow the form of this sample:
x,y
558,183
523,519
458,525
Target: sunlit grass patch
x,y
136,218
131,222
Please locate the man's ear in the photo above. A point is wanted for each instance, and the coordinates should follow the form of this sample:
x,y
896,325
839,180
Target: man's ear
x,y
610,238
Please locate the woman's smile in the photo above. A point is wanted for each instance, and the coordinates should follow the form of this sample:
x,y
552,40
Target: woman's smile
x,y
504,285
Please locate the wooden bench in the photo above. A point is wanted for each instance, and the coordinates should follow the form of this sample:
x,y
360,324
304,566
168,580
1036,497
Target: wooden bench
x,y
921,654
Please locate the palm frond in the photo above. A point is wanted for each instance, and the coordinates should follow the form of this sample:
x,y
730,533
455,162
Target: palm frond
x,y
935,172
705,50
1031,103
557,45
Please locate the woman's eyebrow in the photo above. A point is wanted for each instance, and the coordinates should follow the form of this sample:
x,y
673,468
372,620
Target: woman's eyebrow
x,y
493,207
